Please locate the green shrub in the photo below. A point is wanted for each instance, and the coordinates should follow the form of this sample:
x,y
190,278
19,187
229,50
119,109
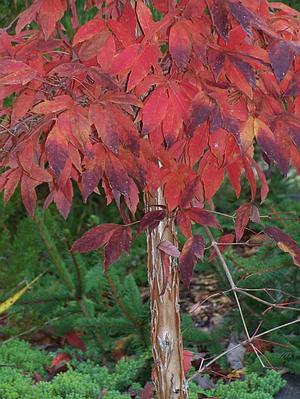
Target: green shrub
x,y
254,386
20,355
19,362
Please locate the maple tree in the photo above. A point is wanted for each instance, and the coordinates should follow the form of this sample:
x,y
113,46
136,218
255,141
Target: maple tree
x,y
154,102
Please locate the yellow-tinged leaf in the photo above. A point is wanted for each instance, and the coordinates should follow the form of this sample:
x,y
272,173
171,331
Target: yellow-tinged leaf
x,y
285,243
4,306
291,250
236,374
247,133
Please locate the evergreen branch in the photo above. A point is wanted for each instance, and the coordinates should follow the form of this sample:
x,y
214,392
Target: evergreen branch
x,y
80,288
121,305
54,254
30,330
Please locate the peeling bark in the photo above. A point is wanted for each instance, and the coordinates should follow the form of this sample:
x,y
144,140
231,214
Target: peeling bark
x,y
167,345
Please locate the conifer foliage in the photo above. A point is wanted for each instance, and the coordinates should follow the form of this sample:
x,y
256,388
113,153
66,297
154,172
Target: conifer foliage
x,y
149,96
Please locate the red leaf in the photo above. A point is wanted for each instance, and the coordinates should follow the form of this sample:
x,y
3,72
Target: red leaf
x,y
15,72
219,18
22,104
73,339
192,250
124,60
120,181
201,109
242,15
148,391
243,214
69,69
28,193
26,155
155,109
106,126
223,242
216,62
285,243
245,78
113,237
76,124
202,217
180,46
88,30
49,14
264,186
59,103
151,220
40,174
90,48
147,57
169,248
28,15
10,185
144,16
184,223
212,177
95,238
234,171
57,150
281,56
90,180
62,357
119,242
250,177
187,360
161,5
266,140
173,190
106,53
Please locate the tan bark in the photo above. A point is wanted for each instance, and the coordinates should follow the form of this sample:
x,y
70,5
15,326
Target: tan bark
x,y
166,331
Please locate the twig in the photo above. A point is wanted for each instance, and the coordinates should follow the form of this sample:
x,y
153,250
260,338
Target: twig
x,y
241,344
11,24
272,305
234,289
266,290
199,304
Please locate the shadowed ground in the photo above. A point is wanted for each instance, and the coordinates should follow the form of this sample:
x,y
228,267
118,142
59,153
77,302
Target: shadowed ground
x,y
292,388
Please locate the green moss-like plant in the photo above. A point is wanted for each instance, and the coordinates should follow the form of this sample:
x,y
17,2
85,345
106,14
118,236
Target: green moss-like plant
x,y
20,355
84,380
253,386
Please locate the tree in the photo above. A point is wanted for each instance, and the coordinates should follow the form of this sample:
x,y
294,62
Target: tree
x,y
155,102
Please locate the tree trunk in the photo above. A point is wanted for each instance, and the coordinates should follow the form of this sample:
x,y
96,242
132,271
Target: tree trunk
x,y
166,332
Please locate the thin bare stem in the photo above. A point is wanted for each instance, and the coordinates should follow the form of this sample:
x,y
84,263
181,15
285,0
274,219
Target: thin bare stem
x,y
272,305
212,361
234,289
266,290
199,304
